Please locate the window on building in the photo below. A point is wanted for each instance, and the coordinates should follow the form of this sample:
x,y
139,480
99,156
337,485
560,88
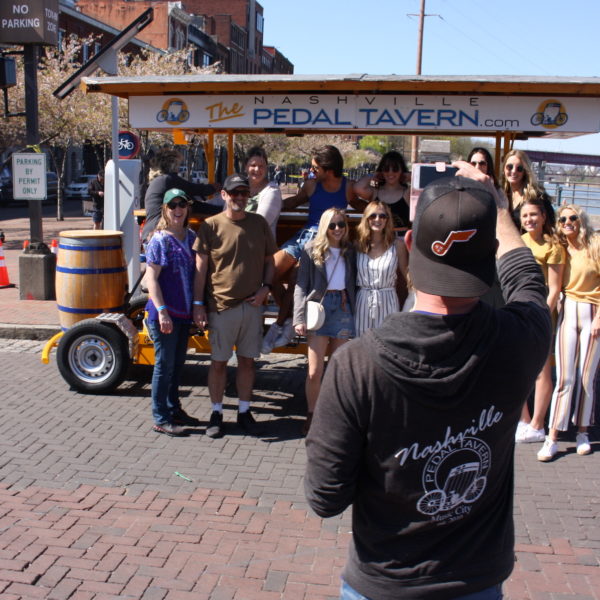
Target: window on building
x,y
259,22
61,38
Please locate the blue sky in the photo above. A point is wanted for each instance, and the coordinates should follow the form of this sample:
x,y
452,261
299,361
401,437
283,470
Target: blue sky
x,y
462,37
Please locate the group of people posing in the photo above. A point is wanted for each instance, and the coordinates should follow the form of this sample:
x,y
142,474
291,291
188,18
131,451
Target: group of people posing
x,y
221,277
567,249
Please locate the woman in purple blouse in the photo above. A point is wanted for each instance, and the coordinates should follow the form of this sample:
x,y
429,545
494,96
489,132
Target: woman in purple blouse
x,y
170,263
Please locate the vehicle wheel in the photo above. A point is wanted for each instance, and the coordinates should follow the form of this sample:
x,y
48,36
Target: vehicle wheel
x,y
561,118
135,310
93,357
432,502
537,119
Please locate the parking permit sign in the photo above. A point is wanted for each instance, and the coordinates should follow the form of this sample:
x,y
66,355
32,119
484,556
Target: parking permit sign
x,y
29,176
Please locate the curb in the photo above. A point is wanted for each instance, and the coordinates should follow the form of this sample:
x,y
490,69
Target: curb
x,y
28,332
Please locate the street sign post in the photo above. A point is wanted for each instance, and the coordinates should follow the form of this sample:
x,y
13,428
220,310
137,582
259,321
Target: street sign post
x,y
29,176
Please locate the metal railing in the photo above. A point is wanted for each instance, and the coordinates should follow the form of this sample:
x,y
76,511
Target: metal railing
x,y
586,195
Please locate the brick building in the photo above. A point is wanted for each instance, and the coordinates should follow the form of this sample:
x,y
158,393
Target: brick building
x,y
227,32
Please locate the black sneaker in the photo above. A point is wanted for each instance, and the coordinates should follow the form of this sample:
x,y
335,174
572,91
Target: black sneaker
x,y
170,429
182,418
248,424
215,425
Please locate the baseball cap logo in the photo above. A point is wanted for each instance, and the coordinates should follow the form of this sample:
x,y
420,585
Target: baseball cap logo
x,y
441,248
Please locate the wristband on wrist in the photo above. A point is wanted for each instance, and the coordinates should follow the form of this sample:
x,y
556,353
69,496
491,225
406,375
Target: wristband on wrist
x,y
198,303
162,307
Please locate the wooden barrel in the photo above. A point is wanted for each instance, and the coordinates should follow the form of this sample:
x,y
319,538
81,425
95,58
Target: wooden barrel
x,y
91,274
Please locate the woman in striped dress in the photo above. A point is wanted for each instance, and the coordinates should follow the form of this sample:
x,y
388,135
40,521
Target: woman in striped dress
x,y
382,262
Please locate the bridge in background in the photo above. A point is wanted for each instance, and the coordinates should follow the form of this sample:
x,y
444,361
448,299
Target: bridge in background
x,y
563,158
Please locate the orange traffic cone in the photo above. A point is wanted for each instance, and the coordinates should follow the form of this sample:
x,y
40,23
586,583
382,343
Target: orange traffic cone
x,y
54,247
4,282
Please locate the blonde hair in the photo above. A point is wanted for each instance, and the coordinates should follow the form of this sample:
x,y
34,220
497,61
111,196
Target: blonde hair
x,y
363,230
587,237
531,188
320,245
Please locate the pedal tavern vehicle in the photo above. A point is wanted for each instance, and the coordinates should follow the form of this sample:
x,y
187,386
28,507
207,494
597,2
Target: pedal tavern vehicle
x,y
94,353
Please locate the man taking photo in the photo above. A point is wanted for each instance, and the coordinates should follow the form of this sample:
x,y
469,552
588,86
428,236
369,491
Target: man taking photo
x,y
415,422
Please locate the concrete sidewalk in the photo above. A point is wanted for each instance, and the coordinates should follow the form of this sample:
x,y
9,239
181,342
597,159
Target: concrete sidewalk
x,y
31,319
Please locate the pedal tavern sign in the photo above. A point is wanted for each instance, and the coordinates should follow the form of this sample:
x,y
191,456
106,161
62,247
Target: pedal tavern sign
x,y
366,112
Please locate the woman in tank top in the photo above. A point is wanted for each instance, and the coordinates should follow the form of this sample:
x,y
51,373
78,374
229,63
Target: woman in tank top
x,y
520,184
327,273
381,263
388,185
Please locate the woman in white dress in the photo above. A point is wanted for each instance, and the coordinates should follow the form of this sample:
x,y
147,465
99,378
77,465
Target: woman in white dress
x,y
382,264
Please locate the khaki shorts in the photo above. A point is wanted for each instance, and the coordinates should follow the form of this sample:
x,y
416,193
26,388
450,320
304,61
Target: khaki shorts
x,y
240,326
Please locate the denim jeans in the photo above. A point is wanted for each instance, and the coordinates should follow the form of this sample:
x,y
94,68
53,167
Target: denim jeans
x,y
491,593
169,357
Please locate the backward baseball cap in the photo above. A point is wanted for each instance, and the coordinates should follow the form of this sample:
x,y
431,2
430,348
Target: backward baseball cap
x,y
454,239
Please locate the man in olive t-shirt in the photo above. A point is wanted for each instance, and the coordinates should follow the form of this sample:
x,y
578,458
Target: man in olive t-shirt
x,y
234,272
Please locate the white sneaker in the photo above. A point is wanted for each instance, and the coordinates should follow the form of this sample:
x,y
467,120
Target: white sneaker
x,y
583,444
519,432
269,341
548,451
287,334
529,435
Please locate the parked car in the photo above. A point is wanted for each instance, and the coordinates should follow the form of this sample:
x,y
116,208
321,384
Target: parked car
x,y
51,186
79,187
6,187
199,177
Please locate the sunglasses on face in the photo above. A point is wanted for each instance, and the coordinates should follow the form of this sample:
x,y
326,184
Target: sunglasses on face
x,y
239,194
374,216
519,168
571,218
337,225
173,205
479,163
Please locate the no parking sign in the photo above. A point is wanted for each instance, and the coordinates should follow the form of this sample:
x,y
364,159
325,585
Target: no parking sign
x,y
129,145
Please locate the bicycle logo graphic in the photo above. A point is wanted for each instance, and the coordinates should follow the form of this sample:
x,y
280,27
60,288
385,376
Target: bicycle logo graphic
x,y
174,112
125,144
462,485
455,476
551,114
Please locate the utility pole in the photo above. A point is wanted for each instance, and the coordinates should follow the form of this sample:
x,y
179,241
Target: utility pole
x,y
415,138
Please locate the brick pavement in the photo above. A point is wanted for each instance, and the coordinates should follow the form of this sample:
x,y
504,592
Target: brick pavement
x,y
91,507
